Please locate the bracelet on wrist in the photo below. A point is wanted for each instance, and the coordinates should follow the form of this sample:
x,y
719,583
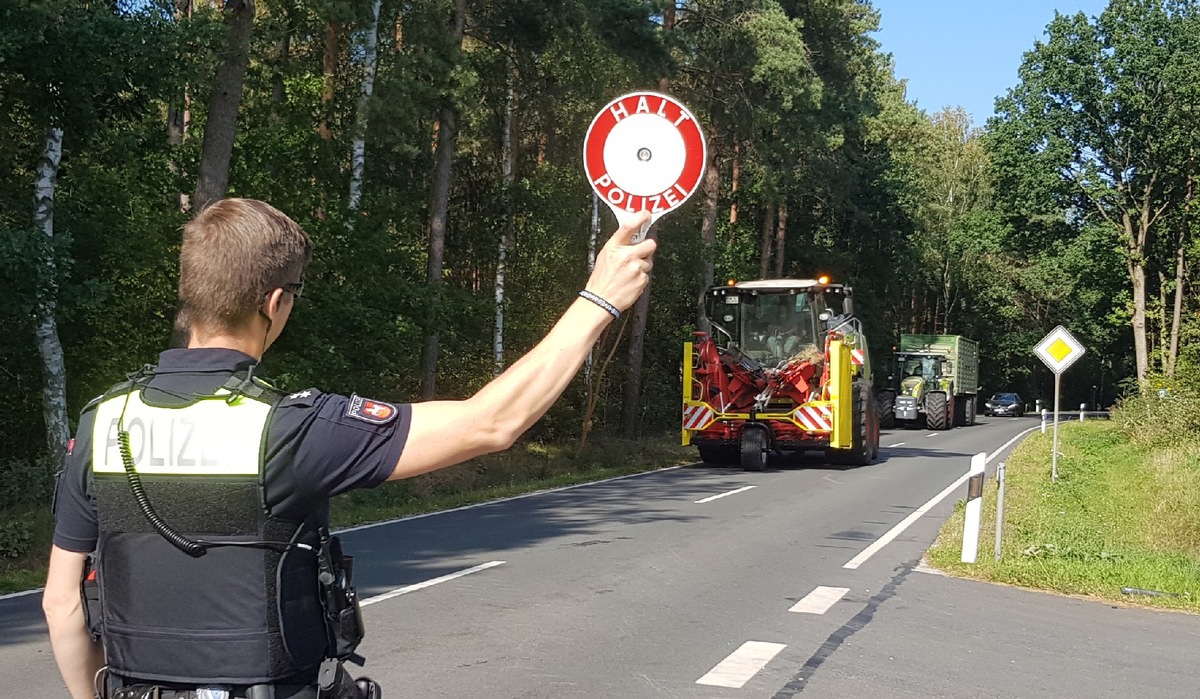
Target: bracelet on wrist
x,y
601,303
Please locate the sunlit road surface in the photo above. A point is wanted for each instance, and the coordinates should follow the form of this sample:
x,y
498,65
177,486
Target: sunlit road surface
x,y
714,582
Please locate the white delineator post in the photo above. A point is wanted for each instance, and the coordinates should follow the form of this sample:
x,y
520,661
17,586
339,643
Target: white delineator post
x,y
999,508
1044,414
1082,411
970,547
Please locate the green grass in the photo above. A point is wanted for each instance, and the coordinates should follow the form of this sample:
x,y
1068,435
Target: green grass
x,y
525,468
1122,514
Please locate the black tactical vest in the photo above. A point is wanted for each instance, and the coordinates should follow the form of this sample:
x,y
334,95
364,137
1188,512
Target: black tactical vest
x,y
238,614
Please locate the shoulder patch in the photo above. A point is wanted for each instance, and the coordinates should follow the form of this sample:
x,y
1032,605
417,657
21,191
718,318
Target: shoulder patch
x,y
372,411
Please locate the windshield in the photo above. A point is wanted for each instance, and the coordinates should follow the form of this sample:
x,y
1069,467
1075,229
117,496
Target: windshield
x,y
924,367
776,326
1005,398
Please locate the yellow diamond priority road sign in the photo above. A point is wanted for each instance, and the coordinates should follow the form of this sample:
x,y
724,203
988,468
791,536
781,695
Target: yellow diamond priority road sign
x,y
1059,349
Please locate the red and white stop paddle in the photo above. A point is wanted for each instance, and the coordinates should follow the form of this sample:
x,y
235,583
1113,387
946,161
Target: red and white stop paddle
x,y
644,151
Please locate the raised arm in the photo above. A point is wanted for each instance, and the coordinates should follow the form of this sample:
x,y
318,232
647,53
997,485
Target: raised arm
x,y
443,433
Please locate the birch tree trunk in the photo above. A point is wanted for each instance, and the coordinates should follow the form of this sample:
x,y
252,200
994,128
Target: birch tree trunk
x,y
593,239
54,370
439,210
506,183
221,129
780,238
358,156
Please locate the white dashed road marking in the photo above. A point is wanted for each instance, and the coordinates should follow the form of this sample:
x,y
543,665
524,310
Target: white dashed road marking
x,y
428,583
742,664
718,497
897,444
819,600
932,434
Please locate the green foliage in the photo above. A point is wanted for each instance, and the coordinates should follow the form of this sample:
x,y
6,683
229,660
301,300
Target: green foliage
x,y
1165,414
938,226
15,538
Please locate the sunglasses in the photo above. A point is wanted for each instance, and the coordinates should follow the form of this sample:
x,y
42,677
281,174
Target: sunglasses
x,y
296,289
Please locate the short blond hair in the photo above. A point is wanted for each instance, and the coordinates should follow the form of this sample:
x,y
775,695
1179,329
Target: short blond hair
x,y
234,253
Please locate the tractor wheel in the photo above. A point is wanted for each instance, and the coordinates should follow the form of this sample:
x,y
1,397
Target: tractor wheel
x,y
936,411
718,454
864,436
885,402
960,411
754,449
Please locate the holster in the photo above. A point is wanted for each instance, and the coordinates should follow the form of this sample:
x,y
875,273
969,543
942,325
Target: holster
x,y
89,592
343,616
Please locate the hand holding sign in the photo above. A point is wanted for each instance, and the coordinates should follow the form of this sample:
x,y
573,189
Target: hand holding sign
x,y
622,269
644,151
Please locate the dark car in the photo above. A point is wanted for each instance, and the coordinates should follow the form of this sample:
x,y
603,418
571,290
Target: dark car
x,y
1004,404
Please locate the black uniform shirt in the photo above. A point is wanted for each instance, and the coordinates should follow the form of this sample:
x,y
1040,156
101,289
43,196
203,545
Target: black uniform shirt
x,y
318,444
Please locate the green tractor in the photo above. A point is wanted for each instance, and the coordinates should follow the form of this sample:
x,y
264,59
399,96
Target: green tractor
x,y
934,383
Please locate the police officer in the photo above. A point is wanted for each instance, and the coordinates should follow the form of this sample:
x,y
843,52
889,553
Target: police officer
x,y
200,492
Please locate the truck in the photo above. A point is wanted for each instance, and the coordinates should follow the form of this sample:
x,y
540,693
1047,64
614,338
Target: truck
x,y
785,367
934,382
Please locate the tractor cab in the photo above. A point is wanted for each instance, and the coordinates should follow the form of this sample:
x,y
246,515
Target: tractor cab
x,y
774,321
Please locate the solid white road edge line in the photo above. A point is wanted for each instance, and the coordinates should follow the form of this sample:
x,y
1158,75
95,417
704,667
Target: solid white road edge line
x,y
22,593
428,583
500,500
722,495
905,523
819,600
742,664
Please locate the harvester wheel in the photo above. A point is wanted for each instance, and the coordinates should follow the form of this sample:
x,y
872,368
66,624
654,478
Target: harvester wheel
x,y
865,434
936,413
885,401
718,454
754,449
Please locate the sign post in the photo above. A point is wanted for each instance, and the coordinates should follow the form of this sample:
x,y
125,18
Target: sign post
x,y
644,152
1058,350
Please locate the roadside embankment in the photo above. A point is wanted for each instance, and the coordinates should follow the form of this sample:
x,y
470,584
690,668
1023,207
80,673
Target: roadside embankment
x,y
1122,523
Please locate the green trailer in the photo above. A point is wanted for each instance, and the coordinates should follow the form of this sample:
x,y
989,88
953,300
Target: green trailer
x,y
933,382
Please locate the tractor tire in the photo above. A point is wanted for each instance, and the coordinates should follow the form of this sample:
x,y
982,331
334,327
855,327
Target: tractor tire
x,y
865,431
960,411
718,454
936,411
885,403
754,449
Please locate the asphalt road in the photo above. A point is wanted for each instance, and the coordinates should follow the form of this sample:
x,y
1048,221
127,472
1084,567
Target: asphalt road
x,y
708,582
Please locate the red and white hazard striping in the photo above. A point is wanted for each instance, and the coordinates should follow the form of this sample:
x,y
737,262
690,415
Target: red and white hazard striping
x,y
815,418
856,356
697,416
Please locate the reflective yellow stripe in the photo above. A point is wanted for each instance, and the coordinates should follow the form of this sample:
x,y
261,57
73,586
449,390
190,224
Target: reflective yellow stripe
x,y
209,437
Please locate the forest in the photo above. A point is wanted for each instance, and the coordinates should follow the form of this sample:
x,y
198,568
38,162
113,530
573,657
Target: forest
x,y
432,149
